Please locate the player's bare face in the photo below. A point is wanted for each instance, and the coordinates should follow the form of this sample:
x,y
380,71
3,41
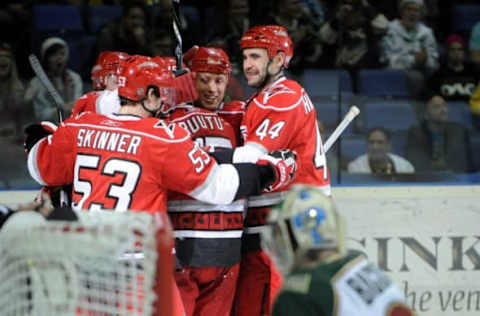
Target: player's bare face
x,y
211,89
111,82
255,61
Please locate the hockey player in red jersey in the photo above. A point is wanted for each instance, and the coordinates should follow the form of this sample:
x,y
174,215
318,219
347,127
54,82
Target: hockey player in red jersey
x,y
208,237
129,160
279,115
104,99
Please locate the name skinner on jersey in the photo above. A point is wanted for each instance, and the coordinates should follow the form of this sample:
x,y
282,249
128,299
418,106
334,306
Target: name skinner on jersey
x,y
107,140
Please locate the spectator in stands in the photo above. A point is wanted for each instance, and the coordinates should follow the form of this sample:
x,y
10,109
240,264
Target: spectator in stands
x,y
162,44
437,144
295,16
379,159
456,79
129,34
475,107
16,25
353,35
410,45
237,22
475,46
13,112
54,58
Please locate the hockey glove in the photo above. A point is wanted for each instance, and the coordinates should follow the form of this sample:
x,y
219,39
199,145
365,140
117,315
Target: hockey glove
x,y
284,164
185,87
35,132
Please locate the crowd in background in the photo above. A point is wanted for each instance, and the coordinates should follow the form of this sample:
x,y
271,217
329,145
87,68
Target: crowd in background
x,y
441,64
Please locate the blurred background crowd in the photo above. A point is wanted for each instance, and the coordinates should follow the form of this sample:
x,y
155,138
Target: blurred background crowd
x,y
411,66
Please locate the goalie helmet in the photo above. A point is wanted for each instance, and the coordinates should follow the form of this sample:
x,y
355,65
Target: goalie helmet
x,y
208,59
305,220
274,38
139,73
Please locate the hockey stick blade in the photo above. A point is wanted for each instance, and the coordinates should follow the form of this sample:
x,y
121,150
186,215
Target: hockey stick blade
x,y
42,76
352,113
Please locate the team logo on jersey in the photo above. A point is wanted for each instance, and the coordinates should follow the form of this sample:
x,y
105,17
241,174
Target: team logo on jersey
x,y
111,123
168,128
277,89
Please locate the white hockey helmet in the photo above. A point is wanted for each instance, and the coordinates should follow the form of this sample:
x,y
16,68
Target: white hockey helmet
x,y
305,220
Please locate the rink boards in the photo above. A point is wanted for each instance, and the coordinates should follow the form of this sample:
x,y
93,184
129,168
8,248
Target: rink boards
x,y
425,237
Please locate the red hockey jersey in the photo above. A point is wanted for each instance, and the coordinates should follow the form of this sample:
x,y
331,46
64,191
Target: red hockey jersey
x,y
209,235
124,162
233,113
208,128
282,117
102,102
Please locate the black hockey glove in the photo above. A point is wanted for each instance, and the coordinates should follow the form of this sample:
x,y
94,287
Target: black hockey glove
x,y
35,132
284,165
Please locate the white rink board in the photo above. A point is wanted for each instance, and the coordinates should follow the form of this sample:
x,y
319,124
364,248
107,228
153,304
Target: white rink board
x,y
426,237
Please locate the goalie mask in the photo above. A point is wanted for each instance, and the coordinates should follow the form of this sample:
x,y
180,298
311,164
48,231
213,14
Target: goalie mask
x,y
140,73
274,38
305,221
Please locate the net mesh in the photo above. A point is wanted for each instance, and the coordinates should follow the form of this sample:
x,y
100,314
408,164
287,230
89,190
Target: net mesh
x,y
103,264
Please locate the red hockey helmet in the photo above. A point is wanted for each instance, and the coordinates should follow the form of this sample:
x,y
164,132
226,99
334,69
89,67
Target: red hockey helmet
x,y
140,72
111,62
96,75
169,61
208,59
274,38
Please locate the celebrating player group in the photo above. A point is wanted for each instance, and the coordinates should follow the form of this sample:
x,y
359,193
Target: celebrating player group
x,y
149,140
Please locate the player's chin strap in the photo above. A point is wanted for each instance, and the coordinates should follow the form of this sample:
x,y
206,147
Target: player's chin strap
x,y
153,112
269,76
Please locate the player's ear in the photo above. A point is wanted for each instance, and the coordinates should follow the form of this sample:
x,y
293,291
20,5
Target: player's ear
x,y
279,58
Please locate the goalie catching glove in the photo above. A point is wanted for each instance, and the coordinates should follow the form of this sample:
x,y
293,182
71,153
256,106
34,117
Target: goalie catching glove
x,y
284,165
37,131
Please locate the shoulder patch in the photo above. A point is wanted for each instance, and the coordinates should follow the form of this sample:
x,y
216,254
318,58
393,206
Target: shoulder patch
x,y
299,283
172,130
283,96
234,106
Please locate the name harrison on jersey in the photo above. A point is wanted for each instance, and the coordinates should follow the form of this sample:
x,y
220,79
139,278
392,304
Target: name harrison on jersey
x,y
106,140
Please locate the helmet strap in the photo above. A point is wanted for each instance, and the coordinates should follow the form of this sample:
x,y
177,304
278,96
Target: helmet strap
x,y
269,75
153,112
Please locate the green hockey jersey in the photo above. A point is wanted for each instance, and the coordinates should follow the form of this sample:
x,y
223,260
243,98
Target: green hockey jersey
x,y
347,286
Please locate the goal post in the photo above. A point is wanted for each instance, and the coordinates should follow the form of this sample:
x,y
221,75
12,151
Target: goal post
x,y
105,263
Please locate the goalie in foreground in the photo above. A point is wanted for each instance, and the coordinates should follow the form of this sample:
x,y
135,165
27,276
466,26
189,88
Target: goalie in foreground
x,y
306,241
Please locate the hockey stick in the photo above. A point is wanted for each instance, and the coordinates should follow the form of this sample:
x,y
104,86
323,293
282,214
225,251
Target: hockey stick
x,y
42,76
352,113
57,100
178,49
